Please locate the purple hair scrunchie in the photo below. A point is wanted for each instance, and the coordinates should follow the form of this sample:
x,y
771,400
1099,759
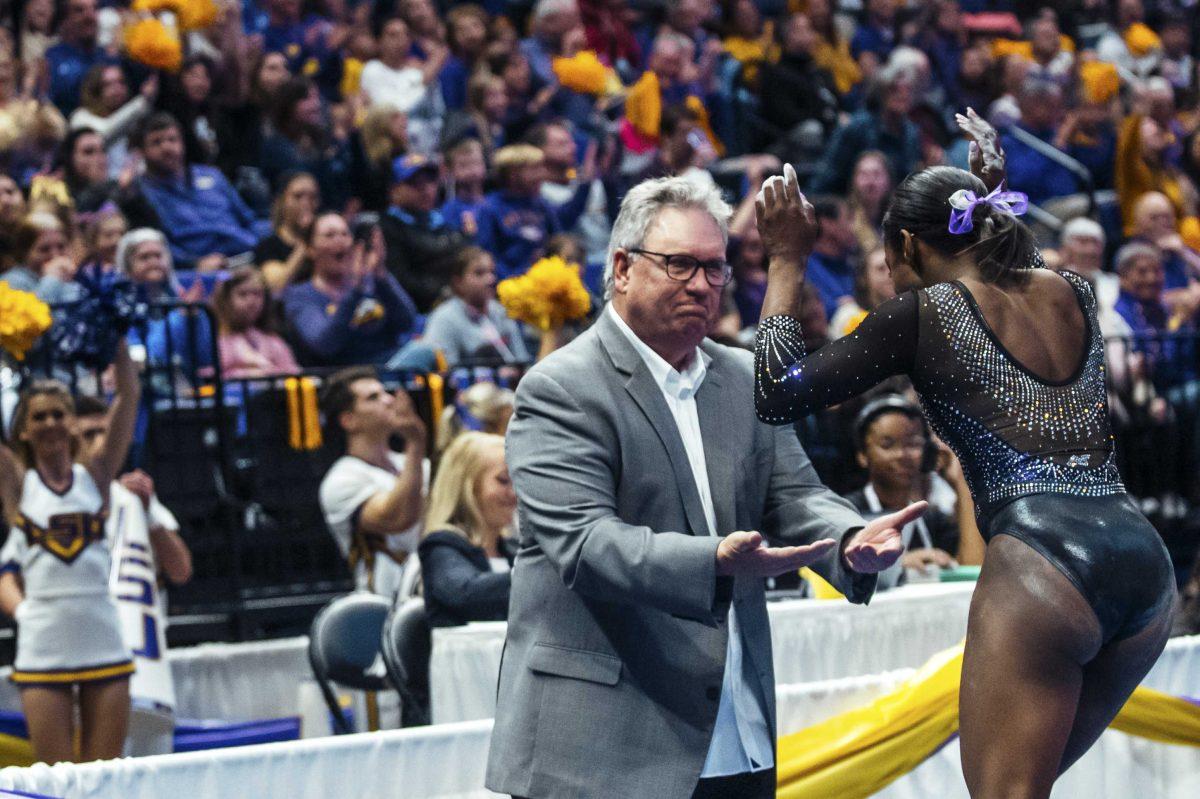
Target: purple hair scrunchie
x,y
964,201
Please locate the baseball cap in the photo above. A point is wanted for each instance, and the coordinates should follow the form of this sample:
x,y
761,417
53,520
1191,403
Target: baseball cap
x,y
406,167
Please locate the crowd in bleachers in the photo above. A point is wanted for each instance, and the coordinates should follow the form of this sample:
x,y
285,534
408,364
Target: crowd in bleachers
x,y
344,184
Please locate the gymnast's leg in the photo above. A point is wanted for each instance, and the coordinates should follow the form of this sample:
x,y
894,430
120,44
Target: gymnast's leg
x,y
1109,680
1029,634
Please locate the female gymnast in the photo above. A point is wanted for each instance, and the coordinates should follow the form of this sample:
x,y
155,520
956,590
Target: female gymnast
x,y
1073,605
54,571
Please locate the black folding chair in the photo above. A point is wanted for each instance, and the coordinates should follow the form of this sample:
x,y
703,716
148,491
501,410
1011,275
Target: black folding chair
x,y
406,646
343,645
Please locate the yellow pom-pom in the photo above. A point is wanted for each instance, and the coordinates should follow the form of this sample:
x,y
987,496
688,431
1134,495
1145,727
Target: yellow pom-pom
x,y
1141,40
1189,229
582,73
197,14
643,105
23,319
189,14
1012,47
548,295
149,42
1099,81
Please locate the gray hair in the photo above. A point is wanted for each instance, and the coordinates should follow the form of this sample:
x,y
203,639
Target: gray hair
x,y
1081,227
1137,249
1036,87
545,8
642,205
136,238
909,61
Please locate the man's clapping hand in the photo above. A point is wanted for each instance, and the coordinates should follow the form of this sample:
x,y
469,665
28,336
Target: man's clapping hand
x,y
746,554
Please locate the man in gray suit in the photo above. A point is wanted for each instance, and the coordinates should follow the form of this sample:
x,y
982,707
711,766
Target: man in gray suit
x,y
638,659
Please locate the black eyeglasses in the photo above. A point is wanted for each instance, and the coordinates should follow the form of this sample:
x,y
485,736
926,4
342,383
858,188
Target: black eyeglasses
x,y
682,267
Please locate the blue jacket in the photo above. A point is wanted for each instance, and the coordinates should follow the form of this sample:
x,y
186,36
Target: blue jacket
x,y
454,210
865,131
1035,174
514,230
367,326
68,65
832,278
202,214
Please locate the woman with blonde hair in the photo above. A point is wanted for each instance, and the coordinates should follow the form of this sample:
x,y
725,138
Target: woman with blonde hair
x,y
281,254
465,555
384,135
484,407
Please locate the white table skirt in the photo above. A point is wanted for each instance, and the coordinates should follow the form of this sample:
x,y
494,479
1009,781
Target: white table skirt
x,y
444,762
813,640
232,682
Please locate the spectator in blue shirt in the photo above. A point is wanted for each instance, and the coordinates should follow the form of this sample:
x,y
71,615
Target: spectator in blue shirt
x,y
351,310
75,54
1154,223
179,337
467,171
204,218
876,34
831,265
515,221
1170,359
303,141
1030,171
311,43
467,35
884,126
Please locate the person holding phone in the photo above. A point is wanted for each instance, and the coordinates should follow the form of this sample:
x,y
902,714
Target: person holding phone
x,y
894,445
351,310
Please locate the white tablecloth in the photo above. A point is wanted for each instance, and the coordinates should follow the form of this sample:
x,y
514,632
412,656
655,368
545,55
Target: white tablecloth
x,y
232,682
443,762
813,640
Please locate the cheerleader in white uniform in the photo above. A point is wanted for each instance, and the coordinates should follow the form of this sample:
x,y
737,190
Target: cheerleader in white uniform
x,y
54,571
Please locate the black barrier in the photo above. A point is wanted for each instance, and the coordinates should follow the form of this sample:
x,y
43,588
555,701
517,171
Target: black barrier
x,y
240,461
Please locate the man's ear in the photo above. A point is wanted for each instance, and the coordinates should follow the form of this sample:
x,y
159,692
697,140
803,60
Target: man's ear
x,y
620,270
861,460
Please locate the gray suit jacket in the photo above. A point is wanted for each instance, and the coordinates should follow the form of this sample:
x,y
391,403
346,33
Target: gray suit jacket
x,y
611,675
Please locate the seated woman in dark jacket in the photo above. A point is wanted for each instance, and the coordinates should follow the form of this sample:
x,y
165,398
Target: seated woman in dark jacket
x,y
465,556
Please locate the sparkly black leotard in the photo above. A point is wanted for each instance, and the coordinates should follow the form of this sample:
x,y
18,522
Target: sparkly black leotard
x,y
1037,454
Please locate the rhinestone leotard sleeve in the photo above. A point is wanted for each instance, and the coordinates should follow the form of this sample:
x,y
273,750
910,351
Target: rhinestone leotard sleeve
x,y
789,384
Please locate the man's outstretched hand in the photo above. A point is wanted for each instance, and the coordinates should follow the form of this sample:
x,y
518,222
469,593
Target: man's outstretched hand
x,y
879,545
746,554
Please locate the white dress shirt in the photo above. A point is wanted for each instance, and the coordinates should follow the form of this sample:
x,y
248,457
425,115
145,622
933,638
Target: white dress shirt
x,y
741,739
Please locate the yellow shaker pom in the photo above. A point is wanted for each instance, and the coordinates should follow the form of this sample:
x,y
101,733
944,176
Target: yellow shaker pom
x,y
548,295
149,42
23,319
1141,40
582,73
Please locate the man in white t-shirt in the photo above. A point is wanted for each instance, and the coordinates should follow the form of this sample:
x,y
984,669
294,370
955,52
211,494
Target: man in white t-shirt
x,y
373,498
